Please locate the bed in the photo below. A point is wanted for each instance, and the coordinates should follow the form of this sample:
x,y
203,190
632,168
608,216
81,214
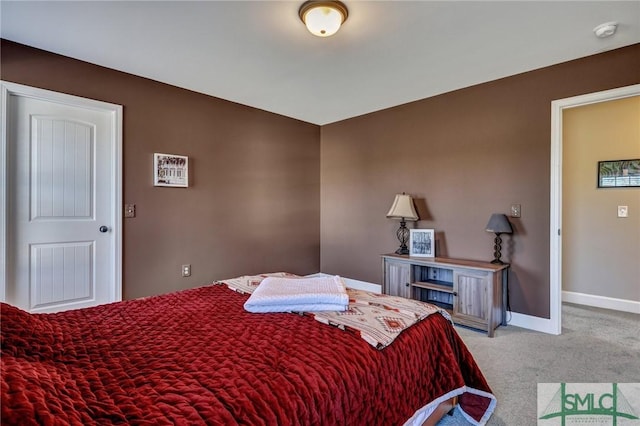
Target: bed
x,y
198,357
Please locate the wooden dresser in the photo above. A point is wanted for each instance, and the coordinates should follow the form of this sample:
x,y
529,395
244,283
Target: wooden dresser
x,y
474,293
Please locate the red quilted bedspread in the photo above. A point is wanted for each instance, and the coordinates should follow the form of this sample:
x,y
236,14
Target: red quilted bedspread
x,y
196,357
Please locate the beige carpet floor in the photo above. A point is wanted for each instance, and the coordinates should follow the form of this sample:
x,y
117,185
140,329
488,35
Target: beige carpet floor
x,y
596,346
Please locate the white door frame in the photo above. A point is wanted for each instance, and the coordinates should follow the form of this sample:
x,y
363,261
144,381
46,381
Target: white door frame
x,y
555,228
115,112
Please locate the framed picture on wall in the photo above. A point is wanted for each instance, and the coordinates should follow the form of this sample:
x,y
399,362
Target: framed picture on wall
x,y
619,173
422,243
170,170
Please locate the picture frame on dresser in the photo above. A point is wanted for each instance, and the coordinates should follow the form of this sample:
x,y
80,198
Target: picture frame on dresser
x,y
422,243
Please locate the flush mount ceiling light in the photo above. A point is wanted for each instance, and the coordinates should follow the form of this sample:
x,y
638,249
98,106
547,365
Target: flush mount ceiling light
x,y
605,30
323,18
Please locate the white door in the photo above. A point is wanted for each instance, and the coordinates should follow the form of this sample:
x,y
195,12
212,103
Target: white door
x,y
62,225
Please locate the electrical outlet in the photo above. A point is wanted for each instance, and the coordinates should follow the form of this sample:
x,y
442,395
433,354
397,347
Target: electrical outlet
x,y
129,210
186,270
516,210
623,211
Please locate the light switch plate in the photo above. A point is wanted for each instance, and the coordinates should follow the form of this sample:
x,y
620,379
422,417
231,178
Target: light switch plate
x,y
516,210
623,211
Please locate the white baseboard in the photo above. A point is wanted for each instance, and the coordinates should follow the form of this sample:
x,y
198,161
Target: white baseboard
x,y
357,284
543,325
363,285
601,302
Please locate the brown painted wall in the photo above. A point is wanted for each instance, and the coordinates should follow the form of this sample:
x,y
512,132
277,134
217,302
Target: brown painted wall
x,y
269,191
464,155
253,205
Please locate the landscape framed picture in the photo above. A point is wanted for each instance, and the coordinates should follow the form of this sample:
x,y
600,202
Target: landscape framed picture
x,y
422,243
170,170
619,173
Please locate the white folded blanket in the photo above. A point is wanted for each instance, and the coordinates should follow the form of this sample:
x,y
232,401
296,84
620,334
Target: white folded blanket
x,y
275,294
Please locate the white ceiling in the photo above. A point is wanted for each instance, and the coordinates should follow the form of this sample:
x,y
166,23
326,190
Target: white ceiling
x,y
259,53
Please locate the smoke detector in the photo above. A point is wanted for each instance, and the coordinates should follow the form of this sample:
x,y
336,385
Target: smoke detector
x,y
605,30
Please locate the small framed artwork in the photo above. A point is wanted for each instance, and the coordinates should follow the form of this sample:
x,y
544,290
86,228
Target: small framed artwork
x,y
170,170
619,173
422,243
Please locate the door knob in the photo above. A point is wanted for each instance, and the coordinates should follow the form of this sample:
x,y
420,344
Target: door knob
x,y
103,229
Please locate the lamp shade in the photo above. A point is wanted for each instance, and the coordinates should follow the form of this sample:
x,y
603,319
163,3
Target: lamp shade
x,y
499,224
403,208
323,18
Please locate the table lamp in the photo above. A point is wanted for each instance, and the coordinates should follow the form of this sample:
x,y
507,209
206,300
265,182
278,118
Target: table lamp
x,y
404,210
498,224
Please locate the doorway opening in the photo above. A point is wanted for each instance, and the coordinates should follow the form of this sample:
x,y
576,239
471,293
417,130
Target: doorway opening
x,y
555,228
